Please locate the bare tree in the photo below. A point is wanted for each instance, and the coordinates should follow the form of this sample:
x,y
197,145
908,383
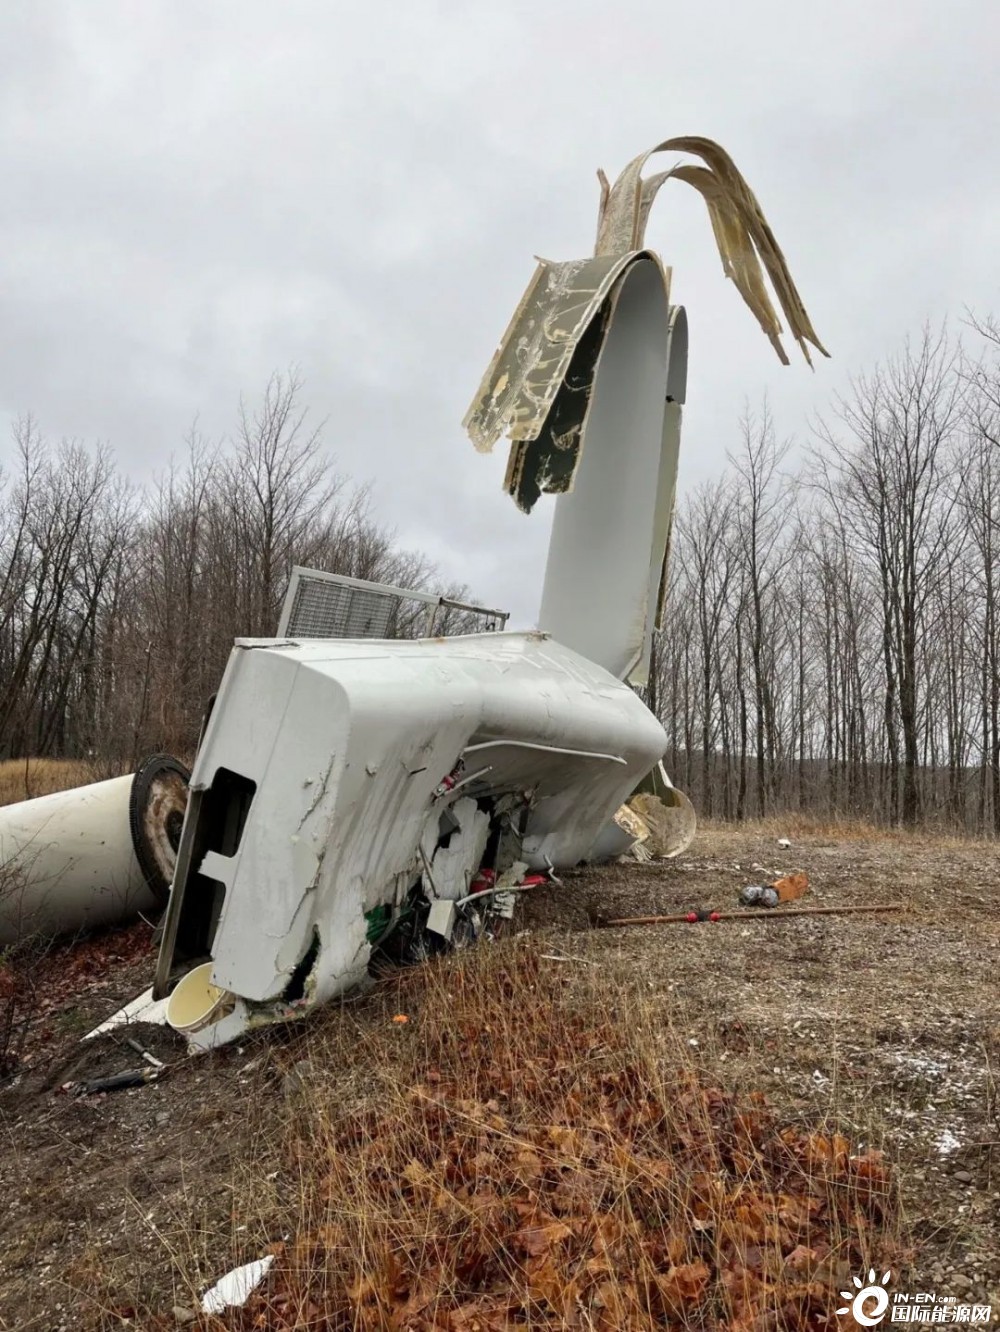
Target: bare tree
x,y
763,516
118,609
887,476
706,551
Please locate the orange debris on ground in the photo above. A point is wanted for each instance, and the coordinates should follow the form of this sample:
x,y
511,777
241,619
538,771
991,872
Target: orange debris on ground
x,y
791,887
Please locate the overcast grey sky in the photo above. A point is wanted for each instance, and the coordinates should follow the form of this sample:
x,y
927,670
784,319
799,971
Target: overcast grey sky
x,y
195,194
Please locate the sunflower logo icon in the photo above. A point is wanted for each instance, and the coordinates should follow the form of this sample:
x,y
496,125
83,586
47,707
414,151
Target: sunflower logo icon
x,y
874,1290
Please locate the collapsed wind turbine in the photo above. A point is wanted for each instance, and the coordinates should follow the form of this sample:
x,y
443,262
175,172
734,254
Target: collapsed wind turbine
x,y
348,795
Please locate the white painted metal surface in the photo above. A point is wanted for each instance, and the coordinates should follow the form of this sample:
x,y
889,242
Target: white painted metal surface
x,y
68,861
348,745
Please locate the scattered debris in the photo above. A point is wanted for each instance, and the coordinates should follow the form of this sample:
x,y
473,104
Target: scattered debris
x,y
671,821
143,1008
236,1287
141,1050
131,1077
787,889
756,894
626,835
441,918
791,887
947,1142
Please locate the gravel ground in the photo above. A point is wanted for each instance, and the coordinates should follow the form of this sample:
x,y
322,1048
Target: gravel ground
x,y
888,1025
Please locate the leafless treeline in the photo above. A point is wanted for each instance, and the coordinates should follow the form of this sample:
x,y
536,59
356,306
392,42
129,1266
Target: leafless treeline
x,y
118,606
832,632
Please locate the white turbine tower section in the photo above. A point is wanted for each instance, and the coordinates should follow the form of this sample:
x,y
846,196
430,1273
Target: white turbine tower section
x,y
92,855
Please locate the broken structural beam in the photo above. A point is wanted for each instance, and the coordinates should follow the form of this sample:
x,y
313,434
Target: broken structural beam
x,y
691,917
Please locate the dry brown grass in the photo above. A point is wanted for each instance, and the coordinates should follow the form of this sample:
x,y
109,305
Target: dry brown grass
x,y
24,779
804,824
879,1030
530,1150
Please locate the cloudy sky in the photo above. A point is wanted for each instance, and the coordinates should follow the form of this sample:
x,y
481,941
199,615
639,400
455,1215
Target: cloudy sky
x,y
194,194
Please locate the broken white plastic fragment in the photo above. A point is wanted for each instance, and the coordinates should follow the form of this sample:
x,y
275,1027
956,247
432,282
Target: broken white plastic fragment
x,y
441,918
143,1008
454,864
235,1288
626,833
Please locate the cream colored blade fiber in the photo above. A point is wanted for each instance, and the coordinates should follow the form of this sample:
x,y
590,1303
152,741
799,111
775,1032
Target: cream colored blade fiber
x,y
745,241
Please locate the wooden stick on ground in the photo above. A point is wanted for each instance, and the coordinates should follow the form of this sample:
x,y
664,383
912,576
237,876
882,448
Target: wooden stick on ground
x,y
751,914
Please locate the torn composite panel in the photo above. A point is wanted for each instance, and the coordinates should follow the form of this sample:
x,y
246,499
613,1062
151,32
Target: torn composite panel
x,y
456,850
537,387
747,246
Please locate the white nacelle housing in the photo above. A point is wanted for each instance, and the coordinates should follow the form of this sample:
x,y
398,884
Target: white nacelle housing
x,y
328,770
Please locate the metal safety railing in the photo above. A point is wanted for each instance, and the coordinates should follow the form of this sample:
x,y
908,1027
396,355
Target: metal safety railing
x,y
327,605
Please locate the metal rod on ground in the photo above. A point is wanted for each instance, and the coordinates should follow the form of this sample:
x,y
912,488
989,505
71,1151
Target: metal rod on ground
x,y
141,1050
751,915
